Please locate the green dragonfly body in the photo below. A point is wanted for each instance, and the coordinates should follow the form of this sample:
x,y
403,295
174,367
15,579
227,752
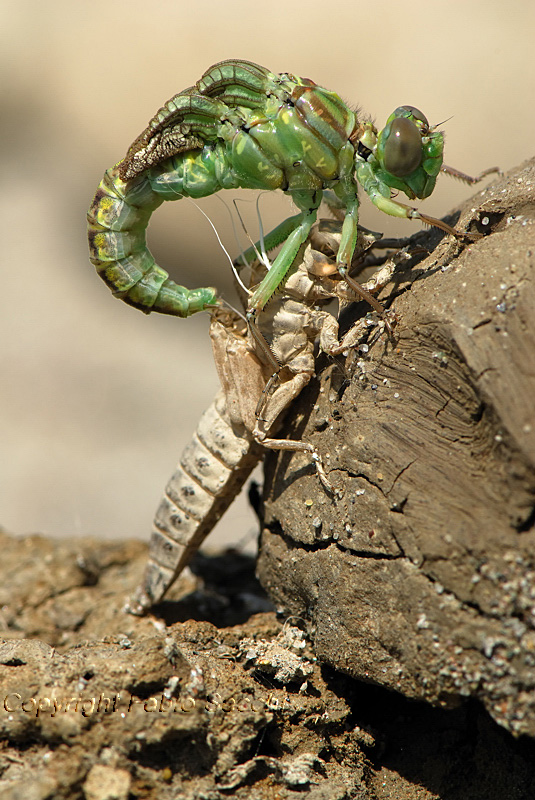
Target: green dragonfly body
x,y
242,126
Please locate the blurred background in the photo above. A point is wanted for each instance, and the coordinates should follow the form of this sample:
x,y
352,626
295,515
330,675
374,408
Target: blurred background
x,y
96,399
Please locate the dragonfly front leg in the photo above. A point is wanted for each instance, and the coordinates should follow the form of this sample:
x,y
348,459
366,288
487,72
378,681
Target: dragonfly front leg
x,y
462,176
379,193
397,209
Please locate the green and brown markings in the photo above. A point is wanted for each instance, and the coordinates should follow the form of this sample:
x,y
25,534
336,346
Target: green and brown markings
x,y
242,126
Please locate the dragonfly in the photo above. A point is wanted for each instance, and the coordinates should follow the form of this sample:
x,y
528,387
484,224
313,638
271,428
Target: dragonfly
x,y
243,126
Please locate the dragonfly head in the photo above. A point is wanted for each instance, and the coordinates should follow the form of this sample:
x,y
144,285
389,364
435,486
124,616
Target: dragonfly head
x,y
409,152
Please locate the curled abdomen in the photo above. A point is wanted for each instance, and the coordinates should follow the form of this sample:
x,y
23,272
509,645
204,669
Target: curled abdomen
x,y
117,223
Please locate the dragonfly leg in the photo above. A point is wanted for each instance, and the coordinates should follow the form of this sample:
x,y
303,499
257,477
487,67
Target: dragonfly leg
x,y
462,176
309,203
272,239
270,407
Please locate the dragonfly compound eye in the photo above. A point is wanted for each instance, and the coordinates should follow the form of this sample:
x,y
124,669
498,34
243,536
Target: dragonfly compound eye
x,y
413,113
403,148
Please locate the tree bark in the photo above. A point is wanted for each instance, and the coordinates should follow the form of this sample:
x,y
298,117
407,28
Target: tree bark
x,y
420,575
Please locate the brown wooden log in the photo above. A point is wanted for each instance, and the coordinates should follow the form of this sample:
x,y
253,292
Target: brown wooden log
x,y
421,576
